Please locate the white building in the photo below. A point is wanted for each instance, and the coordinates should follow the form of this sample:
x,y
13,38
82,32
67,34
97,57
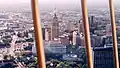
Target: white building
x,y
34,49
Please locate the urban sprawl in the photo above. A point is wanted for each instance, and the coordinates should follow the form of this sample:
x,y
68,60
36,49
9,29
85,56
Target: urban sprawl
x,y
63,38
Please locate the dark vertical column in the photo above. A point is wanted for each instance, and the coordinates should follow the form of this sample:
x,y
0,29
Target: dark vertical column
x,y
87,33
115,46
38,34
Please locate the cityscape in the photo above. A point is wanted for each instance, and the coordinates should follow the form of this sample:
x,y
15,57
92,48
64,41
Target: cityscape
x,y
63,38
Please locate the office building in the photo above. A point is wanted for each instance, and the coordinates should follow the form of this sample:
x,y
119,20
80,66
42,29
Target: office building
x,y
55,27
103,57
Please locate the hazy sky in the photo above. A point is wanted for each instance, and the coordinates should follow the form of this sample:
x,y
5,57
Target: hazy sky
x,y
57,1
99,2
68,3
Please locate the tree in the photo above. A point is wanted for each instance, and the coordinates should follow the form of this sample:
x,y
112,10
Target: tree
x,y
85,66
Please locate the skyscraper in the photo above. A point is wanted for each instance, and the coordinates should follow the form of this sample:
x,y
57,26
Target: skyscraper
x,y
74,37
103,57
81,27
55,27
92,23
81,32
46,35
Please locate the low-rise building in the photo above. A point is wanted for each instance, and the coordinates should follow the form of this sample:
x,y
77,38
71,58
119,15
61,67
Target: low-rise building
x,y
54,47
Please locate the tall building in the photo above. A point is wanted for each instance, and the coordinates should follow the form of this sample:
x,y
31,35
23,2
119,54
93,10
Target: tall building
x,y
43,33
34,48
74,37
108,30
68,26
81,32
103,57
55,27
92,23
48,34
81,27
12,48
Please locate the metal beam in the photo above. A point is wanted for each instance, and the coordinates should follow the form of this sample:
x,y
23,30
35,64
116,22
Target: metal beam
x,y
115,46
38,34
87,33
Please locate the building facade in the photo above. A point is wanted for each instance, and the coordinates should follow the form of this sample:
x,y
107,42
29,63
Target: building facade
x,y
103,57
55,27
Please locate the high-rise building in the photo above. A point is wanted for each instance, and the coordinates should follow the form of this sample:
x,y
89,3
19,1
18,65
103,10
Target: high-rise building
x,y
48,34
43,32
55,27
81,32
12,48
92,23
81,27
74,37
103,57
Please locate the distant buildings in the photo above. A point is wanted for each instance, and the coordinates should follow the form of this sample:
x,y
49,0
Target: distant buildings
x,y
4,48
59,36
64,39
108,30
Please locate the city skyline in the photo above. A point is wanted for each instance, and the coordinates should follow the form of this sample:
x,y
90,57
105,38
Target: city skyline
x,y
64,40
